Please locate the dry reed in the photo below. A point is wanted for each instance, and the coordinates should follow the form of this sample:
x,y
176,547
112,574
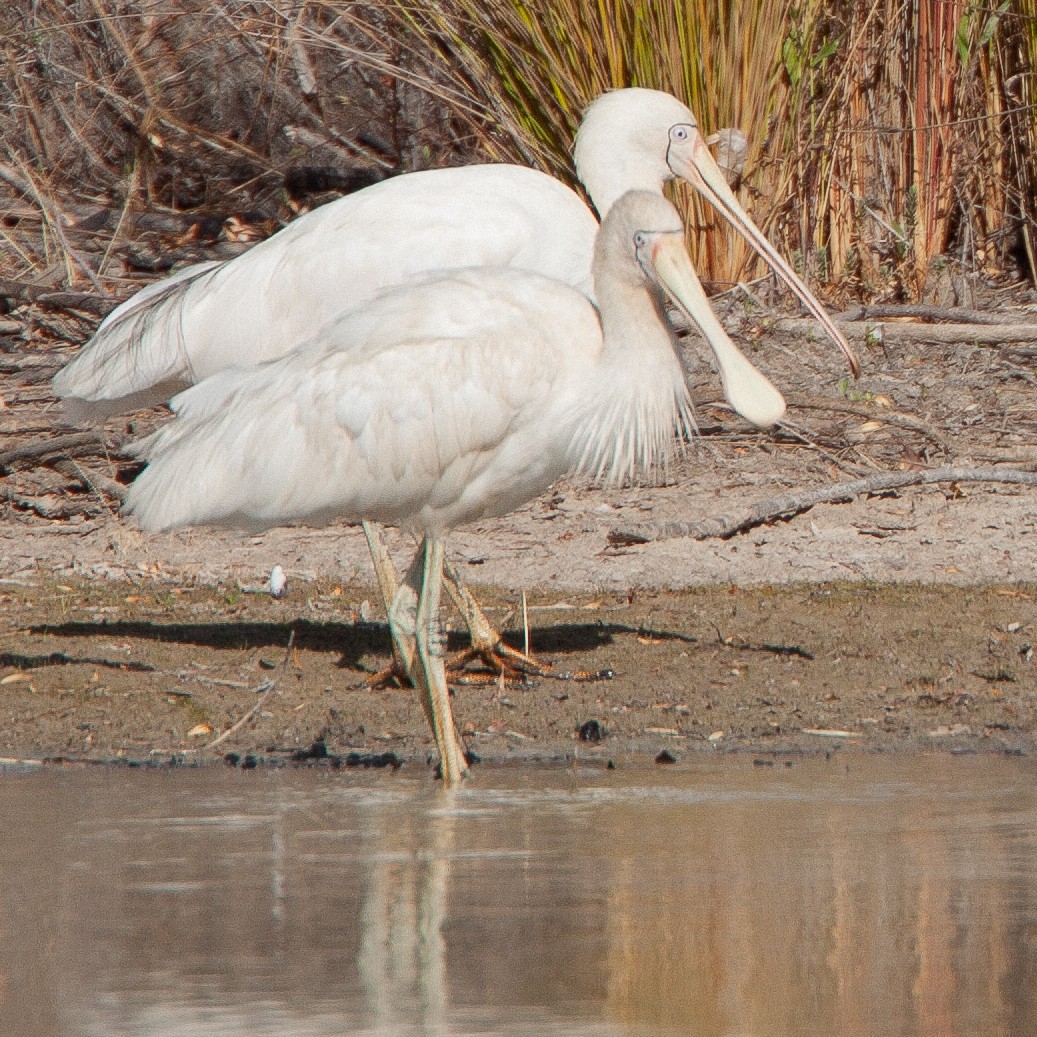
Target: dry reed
x,y
886,138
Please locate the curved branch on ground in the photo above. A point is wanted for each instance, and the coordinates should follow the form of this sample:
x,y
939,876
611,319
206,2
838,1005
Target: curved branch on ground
x,y
783,508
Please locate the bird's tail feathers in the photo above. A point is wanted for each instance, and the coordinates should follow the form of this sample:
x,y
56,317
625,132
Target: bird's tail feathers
x,y
137,358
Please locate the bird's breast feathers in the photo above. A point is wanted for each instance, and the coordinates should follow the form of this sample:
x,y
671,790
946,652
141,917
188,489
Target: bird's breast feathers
x,y
401,408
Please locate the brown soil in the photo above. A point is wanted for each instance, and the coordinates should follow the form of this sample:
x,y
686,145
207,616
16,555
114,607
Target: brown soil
x,y
118,671
897,620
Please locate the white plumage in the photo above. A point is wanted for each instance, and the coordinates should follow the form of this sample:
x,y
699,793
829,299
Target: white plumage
x,y
395,411
265,302
438,403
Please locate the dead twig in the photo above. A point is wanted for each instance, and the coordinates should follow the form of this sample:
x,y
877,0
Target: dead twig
x,y
920,311
54,217
48,448
774,649
788,505
909,421
801,435
265,689
100,485
901,332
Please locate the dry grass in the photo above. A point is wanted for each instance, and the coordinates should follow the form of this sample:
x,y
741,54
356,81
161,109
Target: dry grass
x,y
876,130
886,138
1017,57
902,145
110,109
540,65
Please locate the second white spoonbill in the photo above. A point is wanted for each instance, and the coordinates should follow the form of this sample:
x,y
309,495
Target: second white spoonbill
x,y
408,411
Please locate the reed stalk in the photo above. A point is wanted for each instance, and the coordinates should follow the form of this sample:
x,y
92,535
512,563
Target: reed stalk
x,y
886,138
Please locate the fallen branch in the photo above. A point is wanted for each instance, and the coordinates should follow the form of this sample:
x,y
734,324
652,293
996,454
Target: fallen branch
x,y
45,295
897,331
785,507
30,362
920,311
49,507
48,448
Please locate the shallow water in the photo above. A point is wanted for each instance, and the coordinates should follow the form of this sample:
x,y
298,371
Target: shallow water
x,y
860,895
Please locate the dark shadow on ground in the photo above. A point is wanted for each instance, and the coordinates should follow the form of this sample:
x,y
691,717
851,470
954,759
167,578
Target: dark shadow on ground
x,y
35,662
353,641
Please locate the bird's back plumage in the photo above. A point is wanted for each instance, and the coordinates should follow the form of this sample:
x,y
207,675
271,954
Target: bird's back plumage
x,y
458,397
274,297
349,425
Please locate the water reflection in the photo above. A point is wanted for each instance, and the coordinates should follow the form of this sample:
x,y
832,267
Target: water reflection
x,y
865,897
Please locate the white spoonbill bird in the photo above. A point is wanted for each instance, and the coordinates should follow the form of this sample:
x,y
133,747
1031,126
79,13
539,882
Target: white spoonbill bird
x,y
408,410
267,301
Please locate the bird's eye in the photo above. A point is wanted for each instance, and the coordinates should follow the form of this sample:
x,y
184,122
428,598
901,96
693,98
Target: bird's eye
x,y
679,132
640,239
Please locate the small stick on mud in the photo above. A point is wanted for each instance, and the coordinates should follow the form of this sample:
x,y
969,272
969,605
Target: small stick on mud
x,y
265,689
789,505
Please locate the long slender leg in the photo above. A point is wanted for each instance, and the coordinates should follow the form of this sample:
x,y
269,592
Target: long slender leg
x,y
384,570
430,671
389,587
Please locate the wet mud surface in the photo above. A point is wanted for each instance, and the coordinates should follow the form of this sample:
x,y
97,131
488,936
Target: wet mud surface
x,y
146,674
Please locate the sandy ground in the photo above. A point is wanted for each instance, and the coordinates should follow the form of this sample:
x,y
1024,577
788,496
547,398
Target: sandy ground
x,y
900,619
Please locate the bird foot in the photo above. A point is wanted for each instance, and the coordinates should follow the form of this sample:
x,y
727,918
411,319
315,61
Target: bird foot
x,y
500,662
392,676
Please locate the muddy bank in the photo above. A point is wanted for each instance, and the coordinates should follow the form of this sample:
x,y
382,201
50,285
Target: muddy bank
x,y
117,671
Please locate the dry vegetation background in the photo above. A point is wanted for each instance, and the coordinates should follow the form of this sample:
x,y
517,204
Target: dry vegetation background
x,y
883,136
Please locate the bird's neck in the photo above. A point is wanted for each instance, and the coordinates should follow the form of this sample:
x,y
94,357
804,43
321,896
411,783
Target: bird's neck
x,y
642,397
630,314
607,177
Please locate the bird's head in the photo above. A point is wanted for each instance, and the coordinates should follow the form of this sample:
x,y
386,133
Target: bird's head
x,y
637,139
642,239
624,141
